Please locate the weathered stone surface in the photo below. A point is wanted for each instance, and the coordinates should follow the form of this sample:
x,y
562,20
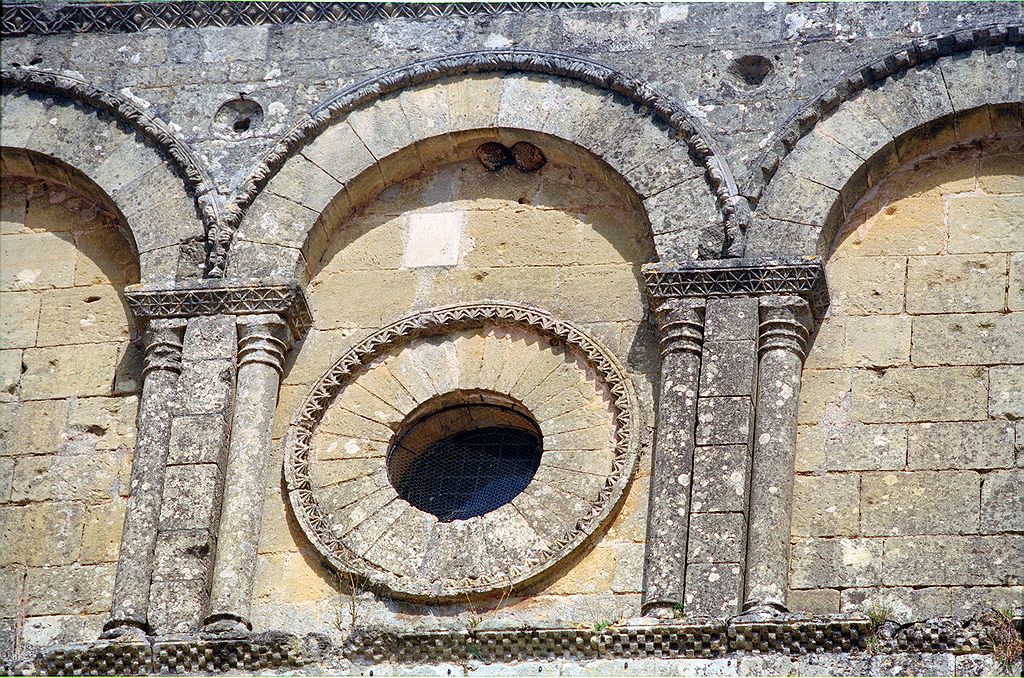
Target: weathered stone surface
x,y
823,393
20,319
878,341
32,427
902,605
943,560
1002,502
727,368
854,447
814,601
82,315
198,439
713,590
64,371
1006,391
826,506
868,285
183,555
66,477
101,536
717,538
920,502
724,421
189,497
961,445
906,394
969,339
71,589
720,478
956,284
41,534
986,223
825,563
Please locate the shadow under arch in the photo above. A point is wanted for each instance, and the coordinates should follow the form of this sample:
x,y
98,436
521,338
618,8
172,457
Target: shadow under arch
x,y
129,160
843,155
652,142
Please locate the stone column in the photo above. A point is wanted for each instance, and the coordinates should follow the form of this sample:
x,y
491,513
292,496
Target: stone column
x,y
784,328
263,341
682,331
161,367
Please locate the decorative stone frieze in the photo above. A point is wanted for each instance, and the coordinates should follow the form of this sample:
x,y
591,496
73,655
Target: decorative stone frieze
x,y
30,19
804,277
161,366
793,635
215,297
682,333
499,551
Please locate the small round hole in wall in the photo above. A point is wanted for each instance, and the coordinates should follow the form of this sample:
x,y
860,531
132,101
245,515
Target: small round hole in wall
x,y
238,116
751,70
465,454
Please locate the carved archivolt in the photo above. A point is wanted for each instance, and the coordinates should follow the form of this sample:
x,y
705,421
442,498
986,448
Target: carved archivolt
x,y
336,456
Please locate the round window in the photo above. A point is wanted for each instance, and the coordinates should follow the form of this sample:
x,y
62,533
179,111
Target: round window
x,y
464,454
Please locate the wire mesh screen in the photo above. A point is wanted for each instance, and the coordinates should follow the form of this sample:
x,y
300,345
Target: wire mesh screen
x,y
467,473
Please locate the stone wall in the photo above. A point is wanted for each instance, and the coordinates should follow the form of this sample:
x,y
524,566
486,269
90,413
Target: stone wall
x,y
316,195
908,497
561,239
71,377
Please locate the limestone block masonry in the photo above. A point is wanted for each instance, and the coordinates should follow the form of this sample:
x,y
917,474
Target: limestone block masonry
x,y
511,338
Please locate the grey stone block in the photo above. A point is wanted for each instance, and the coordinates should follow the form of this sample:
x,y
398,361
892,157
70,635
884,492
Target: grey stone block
x,y
717,538
720,475
713,590
728,368
190,497
183,554
724,421
198,439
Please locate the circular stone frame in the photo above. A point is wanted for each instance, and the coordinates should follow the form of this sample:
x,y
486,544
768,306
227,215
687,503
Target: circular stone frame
x,y
314,522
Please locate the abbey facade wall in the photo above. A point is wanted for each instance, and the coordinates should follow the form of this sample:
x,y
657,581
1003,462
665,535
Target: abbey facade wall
x,y
752,275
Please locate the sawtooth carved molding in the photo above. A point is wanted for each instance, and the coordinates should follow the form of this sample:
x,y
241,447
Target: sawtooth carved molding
x,y
732,209
19,19
215,298
802,277
155,130
533,559
871,73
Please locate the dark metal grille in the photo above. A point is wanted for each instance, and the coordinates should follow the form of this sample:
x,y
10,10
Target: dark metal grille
x,y
469,473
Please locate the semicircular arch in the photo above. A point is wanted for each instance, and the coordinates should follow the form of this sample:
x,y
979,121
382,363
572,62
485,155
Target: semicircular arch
x,y
654,145
906,113
103,145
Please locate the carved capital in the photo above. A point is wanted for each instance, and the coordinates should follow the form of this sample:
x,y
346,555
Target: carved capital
x,y
785,323
681,324
163,339
218,297
803,277
263,339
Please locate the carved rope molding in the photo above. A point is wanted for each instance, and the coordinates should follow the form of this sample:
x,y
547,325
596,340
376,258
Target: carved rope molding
x,y
158,132
732,208
918,52
18,19
316,524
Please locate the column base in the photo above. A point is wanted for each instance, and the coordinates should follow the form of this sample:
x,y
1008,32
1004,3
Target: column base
x,y
226,626
126,629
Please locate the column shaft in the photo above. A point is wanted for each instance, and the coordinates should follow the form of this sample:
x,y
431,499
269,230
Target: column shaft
x,y
672,464
161,367
785,323
262,344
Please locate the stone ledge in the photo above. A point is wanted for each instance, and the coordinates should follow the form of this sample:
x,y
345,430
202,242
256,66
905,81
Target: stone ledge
x,y
803,277
219,297
792,635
